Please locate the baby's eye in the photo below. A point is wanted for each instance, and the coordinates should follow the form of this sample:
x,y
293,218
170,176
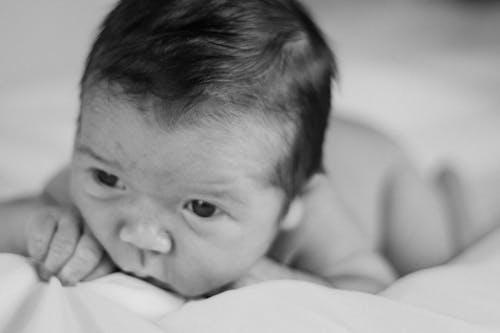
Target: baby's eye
x,y
202,208
106,179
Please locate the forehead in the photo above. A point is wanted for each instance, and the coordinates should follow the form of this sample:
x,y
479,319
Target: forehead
x,y
125,132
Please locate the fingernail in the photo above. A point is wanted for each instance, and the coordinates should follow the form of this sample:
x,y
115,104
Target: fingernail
x,y
63,277
43,273
66,282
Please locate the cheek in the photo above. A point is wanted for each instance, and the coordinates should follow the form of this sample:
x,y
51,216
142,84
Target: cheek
x,y
237,255
210,270
262,232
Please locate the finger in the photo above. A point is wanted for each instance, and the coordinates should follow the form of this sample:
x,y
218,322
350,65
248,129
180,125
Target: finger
x,y
40,236
105,267
85,259
62,245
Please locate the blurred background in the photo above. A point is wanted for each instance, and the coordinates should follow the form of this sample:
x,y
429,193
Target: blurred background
x,y
425,72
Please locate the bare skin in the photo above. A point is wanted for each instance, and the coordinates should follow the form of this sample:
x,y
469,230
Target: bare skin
x,y
53,236
372,218
402,212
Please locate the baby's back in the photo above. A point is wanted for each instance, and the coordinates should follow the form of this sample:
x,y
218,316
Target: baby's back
x,y
401,212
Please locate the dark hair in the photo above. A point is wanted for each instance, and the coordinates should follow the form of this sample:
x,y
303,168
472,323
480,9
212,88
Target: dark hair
x,y
267,57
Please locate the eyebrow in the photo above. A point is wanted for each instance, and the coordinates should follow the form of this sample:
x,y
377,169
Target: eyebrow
x,y
82,148
221,192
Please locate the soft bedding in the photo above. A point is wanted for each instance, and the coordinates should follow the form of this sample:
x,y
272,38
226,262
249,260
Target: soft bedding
x,y
461,297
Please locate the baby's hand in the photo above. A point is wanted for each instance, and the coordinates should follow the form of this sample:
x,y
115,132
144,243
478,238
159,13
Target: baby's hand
x,y
62,247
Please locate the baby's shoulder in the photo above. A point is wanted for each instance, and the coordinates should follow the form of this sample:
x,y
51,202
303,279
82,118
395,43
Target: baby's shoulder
x,y
352,145
360,159
361,162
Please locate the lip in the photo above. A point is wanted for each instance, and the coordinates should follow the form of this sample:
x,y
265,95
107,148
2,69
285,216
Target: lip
x,y
151,265
158,283
142,259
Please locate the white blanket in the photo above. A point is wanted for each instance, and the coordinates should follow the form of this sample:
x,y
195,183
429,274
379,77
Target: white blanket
x,y
461,297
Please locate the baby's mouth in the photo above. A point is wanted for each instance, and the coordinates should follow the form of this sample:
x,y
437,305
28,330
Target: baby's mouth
x,y
167,287
158,283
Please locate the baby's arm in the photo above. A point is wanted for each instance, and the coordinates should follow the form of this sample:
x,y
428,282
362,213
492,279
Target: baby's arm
x,y
402,211
53,236
334,246
418,230
327,248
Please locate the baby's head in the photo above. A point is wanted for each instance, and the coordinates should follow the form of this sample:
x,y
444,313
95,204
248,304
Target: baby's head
x,y
201,122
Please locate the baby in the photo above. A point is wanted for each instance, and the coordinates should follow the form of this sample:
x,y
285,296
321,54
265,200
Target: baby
x,y
198,162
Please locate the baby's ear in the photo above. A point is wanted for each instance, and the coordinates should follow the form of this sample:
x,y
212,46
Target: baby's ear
x,y
294,215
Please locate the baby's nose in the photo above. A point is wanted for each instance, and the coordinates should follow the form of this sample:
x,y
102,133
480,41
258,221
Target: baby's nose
x,y
146,237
